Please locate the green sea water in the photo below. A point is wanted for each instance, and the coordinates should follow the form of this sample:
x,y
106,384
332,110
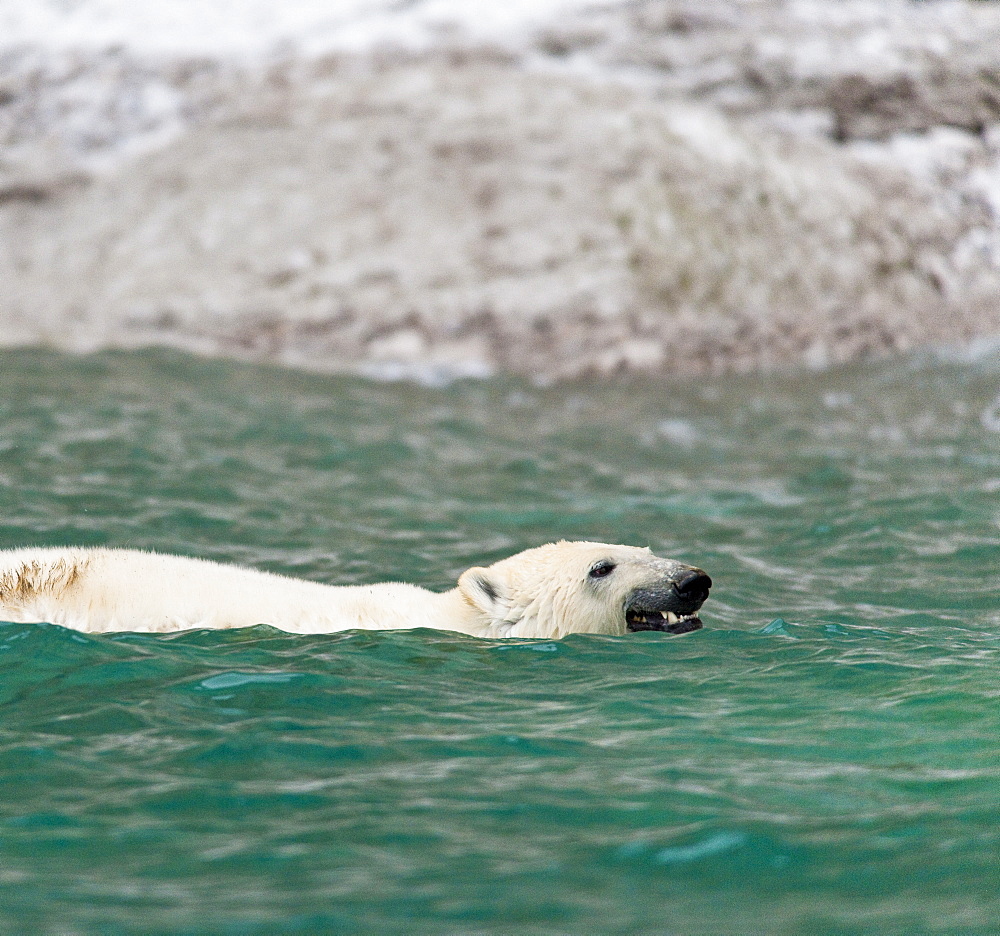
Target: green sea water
x,y
822,758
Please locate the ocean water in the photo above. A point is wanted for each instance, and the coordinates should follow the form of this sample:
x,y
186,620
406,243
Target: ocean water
x,y
822,758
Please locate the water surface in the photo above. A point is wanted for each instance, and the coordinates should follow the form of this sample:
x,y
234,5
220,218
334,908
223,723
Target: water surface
x,y
822,758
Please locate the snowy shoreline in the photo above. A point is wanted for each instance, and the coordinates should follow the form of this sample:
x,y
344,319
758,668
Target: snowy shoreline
x,y
657,187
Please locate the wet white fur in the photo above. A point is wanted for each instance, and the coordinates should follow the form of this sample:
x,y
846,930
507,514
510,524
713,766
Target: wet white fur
x,y
541,592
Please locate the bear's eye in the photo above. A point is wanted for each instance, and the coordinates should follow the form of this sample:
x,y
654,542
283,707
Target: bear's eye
x,y
602,568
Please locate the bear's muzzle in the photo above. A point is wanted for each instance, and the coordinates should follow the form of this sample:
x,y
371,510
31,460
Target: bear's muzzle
x,y
671,608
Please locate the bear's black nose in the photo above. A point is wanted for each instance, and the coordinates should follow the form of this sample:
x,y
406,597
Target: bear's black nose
x,y
693,585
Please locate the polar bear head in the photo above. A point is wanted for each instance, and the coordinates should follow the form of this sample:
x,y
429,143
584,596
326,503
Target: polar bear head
x,y
593,588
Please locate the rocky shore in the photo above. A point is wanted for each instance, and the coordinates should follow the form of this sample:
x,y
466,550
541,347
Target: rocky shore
x,y
658,187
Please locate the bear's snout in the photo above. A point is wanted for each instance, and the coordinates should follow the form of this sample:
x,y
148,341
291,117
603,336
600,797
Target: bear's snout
x,y
670,606
693,585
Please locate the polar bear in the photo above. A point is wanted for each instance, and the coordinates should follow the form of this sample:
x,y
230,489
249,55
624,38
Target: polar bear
x,y
548,591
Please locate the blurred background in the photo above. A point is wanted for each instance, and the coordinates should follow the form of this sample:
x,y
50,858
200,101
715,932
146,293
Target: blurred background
x,y
444,188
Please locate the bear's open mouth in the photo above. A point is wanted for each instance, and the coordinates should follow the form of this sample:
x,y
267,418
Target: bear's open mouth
x,y
638,619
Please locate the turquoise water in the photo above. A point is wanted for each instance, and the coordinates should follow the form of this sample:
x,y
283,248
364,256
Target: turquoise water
x,y
822,758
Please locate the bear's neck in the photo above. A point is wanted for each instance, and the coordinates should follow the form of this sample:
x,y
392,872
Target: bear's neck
x,y
533,620
453,611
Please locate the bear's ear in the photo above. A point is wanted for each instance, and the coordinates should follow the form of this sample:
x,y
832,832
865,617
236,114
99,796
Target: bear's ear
x,y
485,590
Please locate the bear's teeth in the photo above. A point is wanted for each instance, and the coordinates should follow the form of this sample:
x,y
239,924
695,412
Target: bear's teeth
x,y
671,617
